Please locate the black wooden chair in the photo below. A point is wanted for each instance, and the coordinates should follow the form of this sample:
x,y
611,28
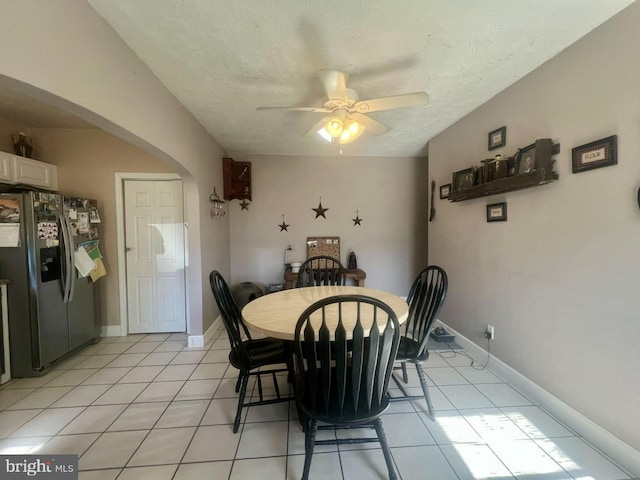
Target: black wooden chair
x,y
342,375
249,355
321,270
425,300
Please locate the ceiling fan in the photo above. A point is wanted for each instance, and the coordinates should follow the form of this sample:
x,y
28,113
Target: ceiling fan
x,y
346,120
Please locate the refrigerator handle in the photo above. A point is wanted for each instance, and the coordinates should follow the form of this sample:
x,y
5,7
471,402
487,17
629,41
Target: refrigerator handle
x,y
67,259
72,260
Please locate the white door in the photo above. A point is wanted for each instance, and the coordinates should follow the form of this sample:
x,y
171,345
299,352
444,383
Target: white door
x,y
154,243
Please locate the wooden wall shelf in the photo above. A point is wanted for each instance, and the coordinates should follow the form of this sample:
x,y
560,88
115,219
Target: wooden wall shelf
x,y
542,175
503,185
237,179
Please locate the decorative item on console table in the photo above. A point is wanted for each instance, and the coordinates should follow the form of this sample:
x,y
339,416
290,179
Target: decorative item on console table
x,y
533,165
356,276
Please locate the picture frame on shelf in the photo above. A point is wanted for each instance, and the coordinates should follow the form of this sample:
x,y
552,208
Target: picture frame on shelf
x,y
526,160
444,191
497,138
463,179
497,212
600,153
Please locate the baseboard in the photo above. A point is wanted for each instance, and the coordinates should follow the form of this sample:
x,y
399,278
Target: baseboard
x,y
199,341
619,451
111,331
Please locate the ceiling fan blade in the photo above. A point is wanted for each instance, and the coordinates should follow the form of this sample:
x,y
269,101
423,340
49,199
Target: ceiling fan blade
x,y
317,126
335,84
297,109
388,103
370,124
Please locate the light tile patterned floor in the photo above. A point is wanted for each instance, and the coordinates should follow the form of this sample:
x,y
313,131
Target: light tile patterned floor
x,y
146,407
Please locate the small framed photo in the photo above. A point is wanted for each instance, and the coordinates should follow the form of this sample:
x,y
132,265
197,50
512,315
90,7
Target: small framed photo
x,y
497,212
526,162
498,138
601,153
444,190
463,179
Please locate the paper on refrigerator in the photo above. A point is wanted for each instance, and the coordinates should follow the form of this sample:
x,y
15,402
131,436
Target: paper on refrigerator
x,y
9,234
84,263
99,271
91,247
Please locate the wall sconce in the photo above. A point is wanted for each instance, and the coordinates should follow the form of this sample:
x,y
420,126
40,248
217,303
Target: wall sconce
x,y
217,205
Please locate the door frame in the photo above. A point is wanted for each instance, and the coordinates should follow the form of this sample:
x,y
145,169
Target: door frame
x,y
120,178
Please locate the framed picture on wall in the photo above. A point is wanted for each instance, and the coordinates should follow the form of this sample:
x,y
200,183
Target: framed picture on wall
x,y
526,160
444,191
497,212
601,153
498,138
463,179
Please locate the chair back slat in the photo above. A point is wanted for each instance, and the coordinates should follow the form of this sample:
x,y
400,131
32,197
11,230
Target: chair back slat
x,y
309,364
385,364
321,270
426,297
341,356
231,315
343,371
324,357
357,361
372,362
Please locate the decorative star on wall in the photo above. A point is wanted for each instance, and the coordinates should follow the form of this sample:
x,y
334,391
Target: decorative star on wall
x,y
357,220
283,226
320,211
244,205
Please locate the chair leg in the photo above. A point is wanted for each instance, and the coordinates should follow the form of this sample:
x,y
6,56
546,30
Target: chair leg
x,y
290,370
309,443
243,392
385,448
238,382
405,377
425,390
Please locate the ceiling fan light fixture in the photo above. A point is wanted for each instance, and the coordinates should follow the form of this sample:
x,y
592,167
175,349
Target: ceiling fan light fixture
x,y
334,127
351,131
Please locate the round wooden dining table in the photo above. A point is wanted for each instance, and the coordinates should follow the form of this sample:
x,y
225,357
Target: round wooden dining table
x,y
276,314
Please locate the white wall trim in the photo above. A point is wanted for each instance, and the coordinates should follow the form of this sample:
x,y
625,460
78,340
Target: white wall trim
x,y
619,451
199,341
120,178
112,331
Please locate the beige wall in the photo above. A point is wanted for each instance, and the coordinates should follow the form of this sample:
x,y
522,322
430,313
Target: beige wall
x,y
78,63
388,193
559,280
7,129
87,161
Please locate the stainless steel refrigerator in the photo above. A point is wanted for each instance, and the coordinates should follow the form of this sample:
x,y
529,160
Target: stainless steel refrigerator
x,y
51,307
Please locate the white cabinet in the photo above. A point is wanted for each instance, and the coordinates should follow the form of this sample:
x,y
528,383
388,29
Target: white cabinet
x,y
6,167
15,169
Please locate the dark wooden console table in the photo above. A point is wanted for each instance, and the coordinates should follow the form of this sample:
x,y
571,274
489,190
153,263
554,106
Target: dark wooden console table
x,y
357,275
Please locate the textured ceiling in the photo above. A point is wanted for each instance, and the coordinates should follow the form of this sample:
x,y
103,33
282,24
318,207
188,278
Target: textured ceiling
x,y
222,59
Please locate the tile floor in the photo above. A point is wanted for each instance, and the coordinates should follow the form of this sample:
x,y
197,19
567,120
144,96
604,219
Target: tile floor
x,y
146,407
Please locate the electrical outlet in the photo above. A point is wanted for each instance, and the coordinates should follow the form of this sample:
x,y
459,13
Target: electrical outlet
x,y
490,332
